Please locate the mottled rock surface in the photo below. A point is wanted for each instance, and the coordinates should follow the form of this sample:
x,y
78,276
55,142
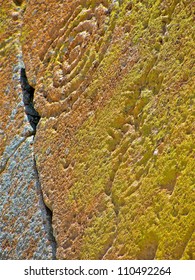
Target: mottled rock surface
x,y
114,148
25,223
25,227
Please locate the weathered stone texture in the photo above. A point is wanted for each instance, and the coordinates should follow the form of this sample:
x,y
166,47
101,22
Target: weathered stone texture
x,y
25,226
114,86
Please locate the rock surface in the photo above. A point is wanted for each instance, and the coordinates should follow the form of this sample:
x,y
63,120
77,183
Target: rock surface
x,y
25,223
114,148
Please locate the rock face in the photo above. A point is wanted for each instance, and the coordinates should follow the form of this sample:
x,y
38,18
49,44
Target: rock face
x,y
114,87
25,223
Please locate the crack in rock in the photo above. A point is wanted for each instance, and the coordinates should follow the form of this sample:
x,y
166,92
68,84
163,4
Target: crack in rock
x,y
33,118
47,214
28,95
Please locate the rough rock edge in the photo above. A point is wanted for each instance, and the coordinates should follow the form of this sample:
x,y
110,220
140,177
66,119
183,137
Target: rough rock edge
x,y
13,150
46,212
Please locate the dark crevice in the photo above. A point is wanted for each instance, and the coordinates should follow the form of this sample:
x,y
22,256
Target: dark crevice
x,y
28,95
47,216
18,2
33,118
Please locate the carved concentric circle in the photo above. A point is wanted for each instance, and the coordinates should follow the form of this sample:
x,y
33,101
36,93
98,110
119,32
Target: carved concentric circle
x,y
74,55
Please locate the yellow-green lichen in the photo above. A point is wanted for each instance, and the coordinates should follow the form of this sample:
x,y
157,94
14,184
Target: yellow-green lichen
x,y
148,172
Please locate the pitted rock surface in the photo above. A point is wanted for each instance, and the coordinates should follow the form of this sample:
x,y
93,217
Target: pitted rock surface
x,y
114,147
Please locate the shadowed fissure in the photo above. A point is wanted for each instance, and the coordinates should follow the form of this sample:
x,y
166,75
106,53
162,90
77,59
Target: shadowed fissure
x,y
28,95
33,118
